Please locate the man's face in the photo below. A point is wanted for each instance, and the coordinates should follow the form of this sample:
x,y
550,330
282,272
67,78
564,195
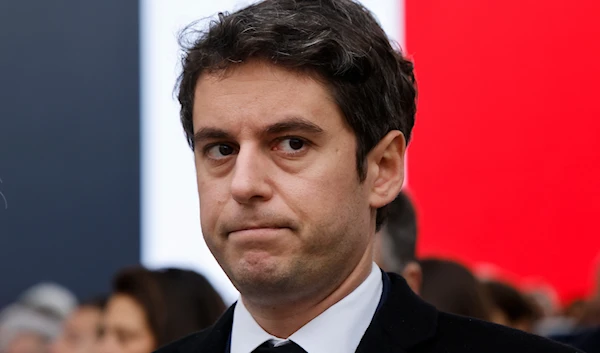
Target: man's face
x,y
282,208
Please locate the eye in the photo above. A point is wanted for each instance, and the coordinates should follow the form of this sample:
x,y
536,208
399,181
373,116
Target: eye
x,y
219,151
101,331
291,145
295,144
125,337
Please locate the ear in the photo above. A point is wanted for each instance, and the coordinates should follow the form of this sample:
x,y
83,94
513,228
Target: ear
x,y
413,275
386,169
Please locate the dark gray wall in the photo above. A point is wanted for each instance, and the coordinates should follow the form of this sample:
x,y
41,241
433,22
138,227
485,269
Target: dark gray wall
x,y
69,143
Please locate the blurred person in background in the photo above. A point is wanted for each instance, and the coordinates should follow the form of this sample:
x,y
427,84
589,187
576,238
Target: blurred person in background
x,y
587,339
28,342
35,319
80,331
452,288
148,309
510,307
396,241
591,315
576,309
587,334
553,320
560,322
544,296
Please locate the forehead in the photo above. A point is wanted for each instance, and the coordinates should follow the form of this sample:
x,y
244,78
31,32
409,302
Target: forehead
x,y
257,73
122,308
256,93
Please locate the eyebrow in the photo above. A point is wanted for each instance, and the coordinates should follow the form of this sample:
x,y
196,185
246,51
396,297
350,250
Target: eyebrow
x,y
210,133
292,123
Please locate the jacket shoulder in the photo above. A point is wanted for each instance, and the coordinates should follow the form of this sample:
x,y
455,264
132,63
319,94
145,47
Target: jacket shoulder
x,y
189,343
212,339
461,334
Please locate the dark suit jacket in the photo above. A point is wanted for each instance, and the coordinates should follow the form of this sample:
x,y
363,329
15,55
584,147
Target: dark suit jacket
x,y
585,339
403,323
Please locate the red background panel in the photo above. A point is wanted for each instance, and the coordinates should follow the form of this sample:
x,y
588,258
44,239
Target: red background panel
x,y
505,161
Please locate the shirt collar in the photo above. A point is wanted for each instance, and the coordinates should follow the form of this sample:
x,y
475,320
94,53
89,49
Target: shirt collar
x,y
338,329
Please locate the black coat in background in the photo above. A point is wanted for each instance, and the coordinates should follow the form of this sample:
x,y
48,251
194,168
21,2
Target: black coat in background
x,y
585,339
402,323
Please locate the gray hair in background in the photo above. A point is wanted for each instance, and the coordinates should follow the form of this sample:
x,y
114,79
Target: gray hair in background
x,y
40,310
399,234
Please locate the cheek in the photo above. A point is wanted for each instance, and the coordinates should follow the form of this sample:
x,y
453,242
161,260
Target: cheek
x,y
337,180
213,195
330,191
143,343
148,343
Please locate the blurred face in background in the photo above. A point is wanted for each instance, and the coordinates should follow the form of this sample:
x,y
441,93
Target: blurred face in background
x,y
384,257
498,316
27,343
125,327
80,332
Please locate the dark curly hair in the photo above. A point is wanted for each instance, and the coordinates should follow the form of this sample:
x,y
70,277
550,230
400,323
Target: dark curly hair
x,y
338,42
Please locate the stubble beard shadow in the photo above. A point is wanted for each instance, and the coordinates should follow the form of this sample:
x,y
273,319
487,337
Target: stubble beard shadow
x,y
300,282
275,286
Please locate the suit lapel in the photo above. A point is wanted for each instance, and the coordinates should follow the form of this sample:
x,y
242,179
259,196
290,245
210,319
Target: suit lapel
x,y
402,321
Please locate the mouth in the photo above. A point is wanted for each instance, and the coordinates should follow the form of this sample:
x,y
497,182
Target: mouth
x,y
257,233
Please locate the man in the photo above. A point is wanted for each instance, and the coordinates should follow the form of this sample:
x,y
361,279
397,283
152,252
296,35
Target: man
x,y
298,113
395,243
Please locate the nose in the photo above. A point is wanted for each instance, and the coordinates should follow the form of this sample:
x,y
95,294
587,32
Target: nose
x,y
250,182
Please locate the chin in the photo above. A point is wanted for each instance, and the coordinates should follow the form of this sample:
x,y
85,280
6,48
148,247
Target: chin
x,y
261,267
262,276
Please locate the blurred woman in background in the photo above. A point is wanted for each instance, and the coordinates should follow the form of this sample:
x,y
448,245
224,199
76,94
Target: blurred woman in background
x,y
149,309
514,308
80,331
452,288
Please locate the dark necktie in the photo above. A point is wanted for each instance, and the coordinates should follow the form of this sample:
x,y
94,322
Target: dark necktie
x,y
290,347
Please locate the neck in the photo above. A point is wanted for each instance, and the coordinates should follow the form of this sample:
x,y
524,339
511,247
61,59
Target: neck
x,y
283,319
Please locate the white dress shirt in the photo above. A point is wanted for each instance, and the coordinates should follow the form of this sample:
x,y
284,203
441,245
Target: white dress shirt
x,y
338,329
